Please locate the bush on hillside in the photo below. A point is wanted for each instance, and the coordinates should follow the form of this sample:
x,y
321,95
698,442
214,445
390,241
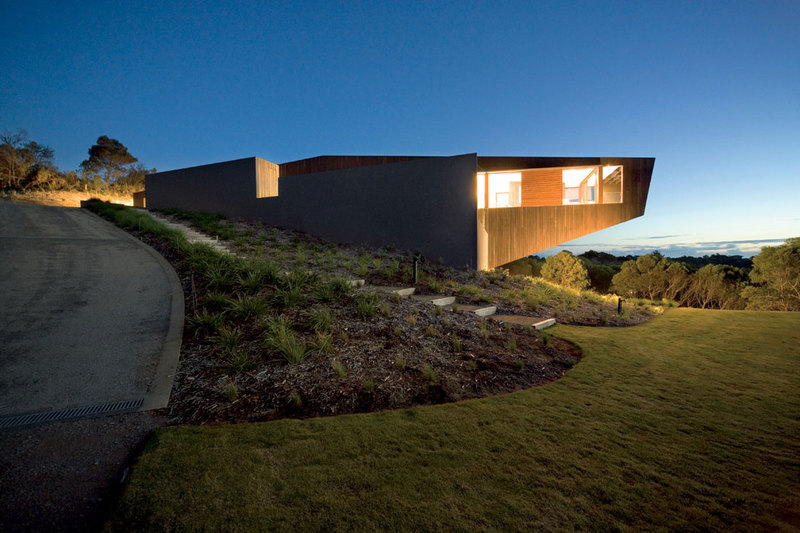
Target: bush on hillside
x,y
567,270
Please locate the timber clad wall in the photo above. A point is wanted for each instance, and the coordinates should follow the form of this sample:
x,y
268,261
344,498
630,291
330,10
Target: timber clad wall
x,y
517,232
266,178
542,187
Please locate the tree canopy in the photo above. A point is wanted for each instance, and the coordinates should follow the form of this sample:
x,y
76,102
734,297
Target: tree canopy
x,y
111,157
776,278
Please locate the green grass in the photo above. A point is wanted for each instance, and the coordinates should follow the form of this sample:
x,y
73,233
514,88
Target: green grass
x,y
691,421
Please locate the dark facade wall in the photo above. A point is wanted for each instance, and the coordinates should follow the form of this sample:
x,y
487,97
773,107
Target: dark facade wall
x,y
428,205
228,188
326,163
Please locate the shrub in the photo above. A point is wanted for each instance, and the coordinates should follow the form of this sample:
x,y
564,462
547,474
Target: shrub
x,y
400,363
369,385
566,269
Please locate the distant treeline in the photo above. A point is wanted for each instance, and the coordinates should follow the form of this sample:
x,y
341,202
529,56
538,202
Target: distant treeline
x,y
26,165
770,280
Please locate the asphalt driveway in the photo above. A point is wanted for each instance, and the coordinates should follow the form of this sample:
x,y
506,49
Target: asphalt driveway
x,y
89,316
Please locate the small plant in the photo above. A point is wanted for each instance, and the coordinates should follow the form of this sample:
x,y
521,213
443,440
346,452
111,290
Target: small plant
x,y
512,344
323,343
219,277
283,340
454,307
229,338
438,310
319,319
205,323
369,385
430,331
300,254
435,285
412,320
288,297
472,364
362,270
400,363
240,361
455,343
231,392
520,364
385,310
243,307
545,339
377,263
396,297
367,305
430,374
397,331
484,330
214,300
296,400
338,367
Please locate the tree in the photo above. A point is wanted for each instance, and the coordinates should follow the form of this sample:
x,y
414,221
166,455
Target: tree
x,y
716,286
565,269
776,278
109,156
651,276
24,163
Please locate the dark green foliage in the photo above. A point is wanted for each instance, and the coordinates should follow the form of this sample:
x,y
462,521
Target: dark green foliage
x,y
716,287
109,156
651,276
527,266
565,269
776,278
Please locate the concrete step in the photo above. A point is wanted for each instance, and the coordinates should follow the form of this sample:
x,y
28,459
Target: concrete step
x,y
532,321
480,310
436,299
402,292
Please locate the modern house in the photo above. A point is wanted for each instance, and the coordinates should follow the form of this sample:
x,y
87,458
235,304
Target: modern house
x,y
465,210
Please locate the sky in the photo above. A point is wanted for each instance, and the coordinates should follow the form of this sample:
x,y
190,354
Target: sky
x,y
710,89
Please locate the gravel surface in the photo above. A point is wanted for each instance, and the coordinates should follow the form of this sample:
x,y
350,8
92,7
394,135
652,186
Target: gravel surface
x,y
64,476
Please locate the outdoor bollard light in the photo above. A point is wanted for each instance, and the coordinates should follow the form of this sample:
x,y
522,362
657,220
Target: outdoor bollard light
x,y
619,306
416,268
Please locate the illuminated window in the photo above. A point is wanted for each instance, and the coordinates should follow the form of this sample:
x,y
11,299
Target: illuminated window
x,y
612,184
499,189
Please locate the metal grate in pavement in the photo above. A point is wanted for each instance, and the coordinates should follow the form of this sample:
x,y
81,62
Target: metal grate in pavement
x,y
9,422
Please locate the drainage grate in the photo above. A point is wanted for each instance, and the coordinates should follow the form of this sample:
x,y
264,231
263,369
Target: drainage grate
x,y
65,414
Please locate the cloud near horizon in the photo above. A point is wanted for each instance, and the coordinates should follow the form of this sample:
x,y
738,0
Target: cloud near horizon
x,y
697,249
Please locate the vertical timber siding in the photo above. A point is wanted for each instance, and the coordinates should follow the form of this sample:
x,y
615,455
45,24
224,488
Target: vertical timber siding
x,y
541,187
516,232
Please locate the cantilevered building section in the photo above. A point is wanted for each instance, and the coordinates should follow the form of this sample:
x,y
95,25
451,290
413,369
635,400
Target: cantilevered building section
x,y
465,210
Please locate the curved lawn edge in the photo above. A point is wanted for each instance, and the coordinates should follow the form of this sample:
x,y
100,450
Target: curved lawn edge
x,y
689,421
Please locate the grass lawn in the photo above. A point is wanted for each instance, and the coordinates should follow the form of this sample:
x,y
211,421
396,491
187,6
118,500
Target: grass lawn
x,y
691,422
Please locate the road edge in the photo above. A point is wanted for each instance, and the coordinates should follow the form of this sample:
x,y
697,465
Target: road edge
x,y
159,391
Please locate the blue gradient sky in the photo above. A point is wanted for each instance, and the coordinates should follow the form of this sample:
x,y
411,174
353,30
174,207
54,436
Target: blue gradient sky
x,y
709,89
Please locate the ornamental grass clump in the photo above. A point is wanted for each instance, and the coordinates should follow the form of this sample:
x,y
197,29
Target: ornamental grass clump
x,y
281,339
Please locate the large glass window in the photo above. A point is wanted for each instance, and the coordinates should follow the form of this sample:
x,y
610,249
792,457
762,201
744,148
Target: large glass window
x,y
499,189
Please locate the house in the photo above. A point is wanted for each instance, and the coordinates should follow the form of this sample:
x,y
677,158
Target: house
x,y
464,210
